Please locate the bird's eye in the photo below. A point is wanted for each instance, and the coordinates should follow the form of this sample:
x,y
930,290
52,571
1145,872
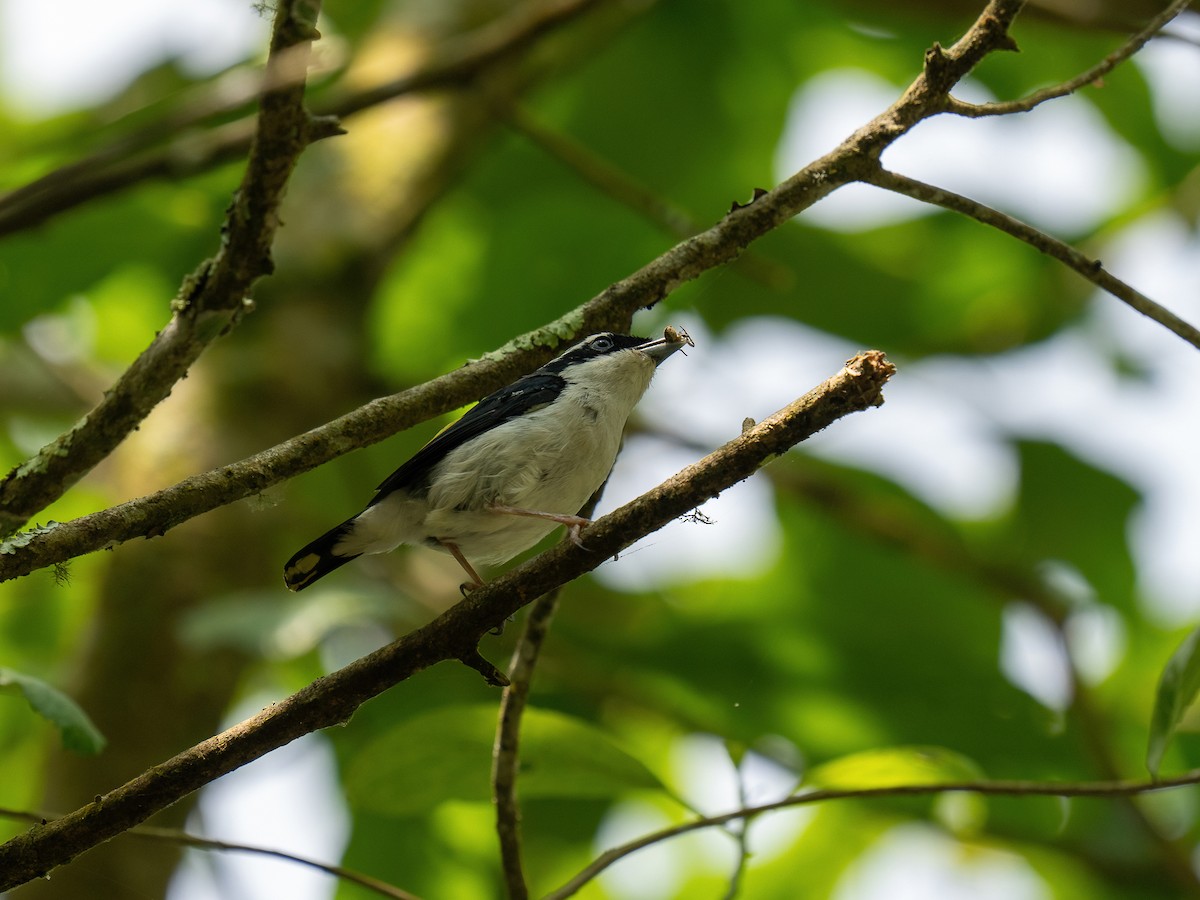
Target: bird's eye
x,y
602,344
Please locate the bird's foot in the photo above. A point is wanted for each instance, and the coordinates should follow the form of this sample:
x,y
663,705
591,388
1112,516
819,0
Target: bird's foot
x,y
476,581
574,524
573,532
499,629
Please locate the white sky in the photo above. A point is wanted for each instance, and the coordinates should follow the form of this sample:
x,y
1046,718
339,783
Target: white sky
x,y
59,55
1060,168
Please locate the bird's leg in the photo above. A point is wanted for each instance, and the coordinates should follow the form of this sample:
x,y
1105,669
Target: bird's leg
x,y
476,581
574,523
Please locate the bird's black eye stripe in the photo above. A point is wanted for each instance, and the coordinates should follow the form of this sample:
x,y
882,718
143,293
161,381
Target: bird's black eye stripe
x,y
590,348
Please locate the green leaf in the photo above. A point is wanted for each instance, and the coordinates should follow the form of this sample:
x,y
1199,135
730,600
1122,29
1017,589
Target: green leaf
x,y
444,755
78,732
1070,511
891,766
961,814
1177,690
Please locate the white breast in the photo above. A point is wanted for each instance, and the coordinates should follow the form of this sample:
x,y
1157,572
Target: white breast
x,y
549,460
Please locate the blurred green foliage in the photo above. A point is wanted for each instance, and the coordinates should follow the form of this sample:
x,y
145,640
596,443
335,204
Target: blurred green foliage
x,y
857,653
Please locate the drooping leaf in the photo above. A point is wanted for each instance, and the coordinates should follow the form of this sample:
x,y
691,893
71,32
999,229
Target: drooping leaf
x,y
892,766
1177,689
78,732
1072,512
961,813
444,755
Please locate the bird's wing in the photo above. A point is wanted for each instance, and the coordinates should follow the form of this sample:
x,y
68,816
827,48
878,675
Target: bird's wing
x,y
522,396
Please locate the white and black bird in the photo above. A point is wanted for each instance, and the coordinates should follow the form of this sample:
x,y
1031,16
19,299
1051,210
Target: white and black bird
x,y
518,464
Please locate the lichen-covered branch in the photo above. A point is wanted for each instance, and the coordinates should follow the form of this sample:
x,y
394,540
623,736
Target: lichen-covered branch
x,y
211,300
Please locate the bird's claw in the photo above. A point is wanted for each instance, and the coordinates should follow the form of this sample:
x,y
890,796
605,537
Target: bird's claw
x,y
573,533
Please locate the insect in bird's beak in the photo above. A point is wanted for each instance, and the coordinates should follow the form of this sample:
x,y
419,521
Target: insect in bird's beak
x,y
678,335
673,339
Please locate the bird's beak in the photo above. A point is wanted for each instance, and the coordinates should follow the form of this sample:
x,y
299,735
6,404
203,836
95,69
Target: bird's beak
x,y
660,349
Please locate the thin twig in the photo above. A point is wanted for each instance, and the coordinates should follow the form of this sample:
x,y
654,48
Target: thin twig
x,y
742,836
1091,269
1091,76
506,753
991,788
893,524
597,171
628,191
184,838
453,635
211,300
174,836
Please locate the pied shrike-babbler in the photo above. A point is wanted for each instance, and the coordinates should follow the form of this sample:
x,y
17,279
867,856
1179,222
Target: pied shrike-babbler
x,y
518,464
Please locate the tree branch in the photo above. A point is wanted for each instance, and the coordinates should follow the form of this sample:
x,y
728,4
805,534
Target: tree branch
x,y
134,159
506,756
186,839
506,750
212,299
992,788
853,159
742,836
1091,269
1091,76
506,753
455,634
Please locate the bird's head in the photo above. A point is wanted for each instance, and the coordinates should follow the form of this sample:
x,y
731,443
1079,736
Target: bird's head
x,y
617,365
609,349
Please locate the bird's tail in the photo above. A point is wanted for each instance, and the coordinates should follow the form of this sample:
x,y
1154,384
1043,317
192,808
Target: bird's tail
x,y
317,559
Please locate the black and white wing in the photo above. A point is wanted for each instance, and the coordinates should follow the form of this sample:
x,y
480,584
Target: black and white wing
x,y
526,394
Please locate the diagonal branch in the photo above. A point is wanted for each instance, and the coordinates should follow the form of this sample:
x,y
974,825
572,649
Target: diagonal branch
x,y
455,634
852,160
1100,789
1091,76
1091,269
211,300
